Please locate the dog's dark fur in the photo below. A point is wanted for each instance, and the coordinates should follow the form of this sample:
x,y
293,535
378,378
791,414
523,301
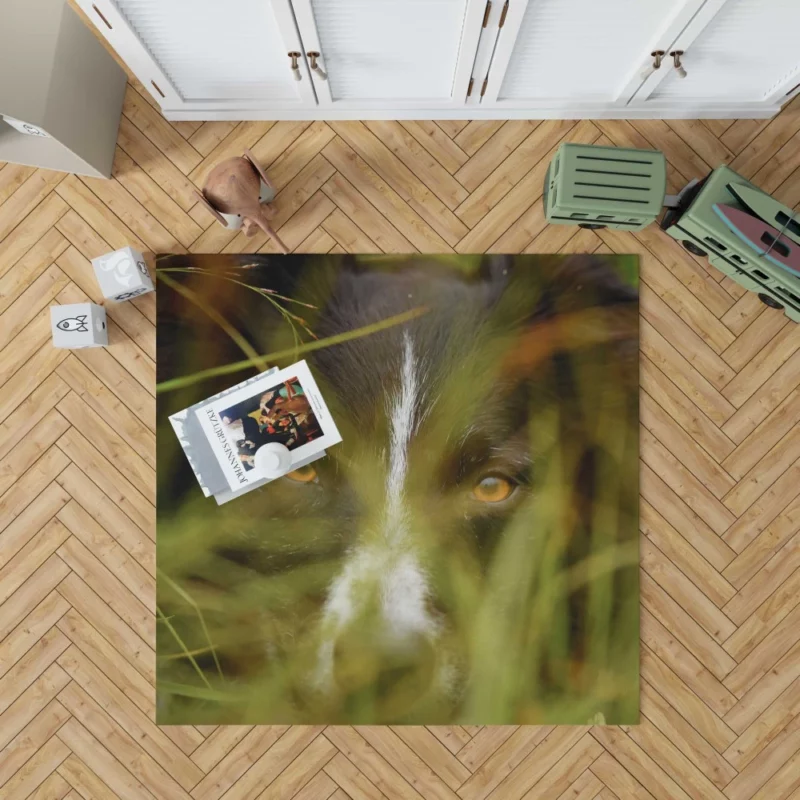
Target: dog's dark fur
x,y
494,354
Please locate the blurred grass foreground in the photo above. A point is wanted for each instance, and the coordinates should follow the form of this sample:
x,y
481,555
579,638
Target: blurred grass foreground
x,y
468,553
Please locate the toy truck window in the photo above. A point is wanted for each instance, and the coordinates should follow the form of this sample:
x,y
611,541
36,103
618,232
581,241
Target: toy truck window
x,y
774,244
791,225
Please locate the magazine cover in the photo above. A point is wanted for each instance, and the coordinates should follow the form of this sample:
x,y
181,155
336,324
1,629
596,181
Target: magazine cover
x,y
196,446
284,407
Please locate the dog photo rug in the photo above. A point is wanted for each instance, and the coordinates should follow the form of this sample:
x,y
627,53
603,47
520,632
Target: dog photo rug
x,y
468,553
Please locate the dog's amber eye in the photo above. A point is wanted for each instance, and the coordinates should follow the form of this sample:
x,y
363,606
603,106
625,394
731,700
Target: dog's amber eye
x,y
303,475
492,489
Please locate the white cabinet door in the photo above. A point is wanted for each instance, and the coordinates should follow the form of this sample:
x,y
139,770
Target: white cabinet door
x,y
580,53
737,51
390,53
209,54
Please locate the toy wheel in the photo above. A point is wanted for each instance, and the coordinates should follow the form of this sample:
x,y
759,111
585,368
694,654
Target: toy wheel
x,y
592,226
770,301
694,249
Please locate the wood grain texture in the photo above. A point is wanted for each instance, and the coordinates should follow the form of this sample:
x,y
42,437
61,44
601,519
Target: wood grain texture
x,y
720,511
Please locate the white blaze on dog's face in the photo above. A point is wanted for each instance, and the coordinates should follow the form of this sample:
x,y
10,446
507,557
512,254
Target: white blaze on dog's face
x,y
435,459
387,572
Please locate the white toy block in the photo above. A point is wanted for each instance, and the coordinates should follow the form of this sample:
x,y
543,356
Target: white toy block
x,y
78,325
122,274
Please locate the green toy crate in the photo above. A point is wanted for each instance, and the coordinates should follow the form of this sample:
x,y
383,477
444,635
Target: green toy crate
x,y
605,187
696,225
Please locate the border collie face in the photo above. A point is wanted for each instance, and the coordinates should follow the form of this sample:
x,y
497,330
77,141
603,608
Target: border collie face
x,y
403,571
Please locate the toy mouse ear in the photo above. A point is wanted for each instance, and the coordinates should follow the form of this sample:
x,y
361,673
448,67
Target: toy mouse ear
x,y
213,211
261,174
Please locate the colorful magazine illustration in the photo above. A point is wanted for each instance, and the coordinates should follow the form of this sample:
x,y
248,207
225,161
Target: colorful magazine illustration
x,y
284,407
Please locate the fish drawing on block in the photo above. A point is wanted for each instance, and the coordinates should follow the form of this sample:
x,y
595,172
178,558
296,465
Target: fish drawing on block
x,y
77,324
768,209
763,238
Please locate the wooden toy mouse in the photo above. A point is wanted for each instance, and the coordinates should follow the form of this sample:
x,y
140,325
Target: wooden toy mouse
x,y
235,193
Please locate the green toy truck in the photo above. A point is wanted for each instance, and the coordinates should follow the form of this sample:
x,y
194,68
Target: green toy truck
x,y
702,232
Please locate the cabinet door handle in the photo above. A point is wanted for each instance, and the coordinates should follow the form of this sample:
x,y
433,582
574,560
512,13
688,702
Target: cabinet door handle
x,y
658,57
676,56
313,56
294,55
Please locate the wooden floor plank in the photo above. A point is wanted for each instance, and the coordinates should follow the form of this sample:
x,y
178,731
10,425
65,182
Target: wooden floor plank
x,y
12,176
25,199
692,708
498,182
683,625
426,168
758,552
117,553
30,267
680,444
683,411
157,165
44,761
433,212
227,772
36,700
437,143
299,152
416,234
83,201
159,131
720,470
769,138
31,484
770,578
32,592
158,203
682,555
452,127
493,153
686,739
108,623
36,297
705,143
119,744
30,556
108,587
28,233
769,688
31,629
770,723
150,738
209,135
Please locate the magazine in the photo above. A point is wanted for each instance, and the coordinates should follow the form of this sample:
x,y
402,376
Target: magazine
x,y
197,448
285,407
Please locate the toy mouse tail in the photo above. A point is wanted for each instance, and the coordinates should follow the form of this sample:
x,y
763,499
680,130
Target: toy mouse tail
x,y
263,223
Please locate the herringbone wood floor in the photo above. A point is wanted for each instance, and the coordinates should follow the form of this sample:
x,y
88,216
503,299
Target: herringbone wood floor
x,y
720,469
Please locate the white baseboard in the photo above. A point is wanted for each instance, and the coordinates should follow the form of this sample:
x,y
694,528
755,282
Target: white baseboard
x,y
700,111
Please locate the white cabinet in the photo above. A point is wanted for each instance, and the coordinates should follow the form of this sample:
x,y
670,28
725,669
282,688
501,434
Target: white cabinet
x,y
207,54
736,51
566,52
338,59
390,53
